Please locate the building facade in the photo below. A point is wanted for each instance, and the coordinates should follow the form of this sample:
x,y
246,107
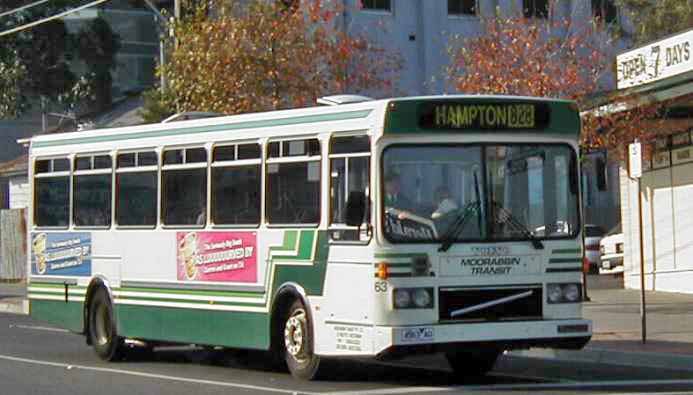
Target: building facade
x,y
661,72
420,30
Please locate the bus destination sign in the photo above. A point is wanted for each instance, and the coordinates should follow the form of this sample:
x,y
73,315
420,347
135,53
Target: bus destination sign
x,y
473,116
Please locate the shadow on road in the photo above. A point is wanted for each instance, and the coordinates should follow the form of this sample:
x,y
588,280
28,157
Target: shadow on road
x,y
336,371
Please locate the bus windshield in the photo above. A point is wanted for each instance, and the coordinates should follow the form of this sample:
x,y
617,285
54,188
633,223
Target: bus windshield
x,y
479,192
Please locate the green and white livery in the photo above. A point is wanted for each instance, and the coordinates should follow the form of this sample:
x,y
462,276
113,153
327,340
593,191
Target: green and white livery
x,y
374,228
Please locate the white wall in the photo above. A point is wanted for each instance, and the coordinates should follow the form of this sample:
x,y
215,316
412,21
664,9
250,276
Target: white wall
x,y
667,208
19,192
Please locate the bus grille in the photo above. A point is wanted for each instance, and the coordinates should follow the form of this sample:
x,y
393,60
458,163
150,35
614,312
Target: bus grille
x,y
477,304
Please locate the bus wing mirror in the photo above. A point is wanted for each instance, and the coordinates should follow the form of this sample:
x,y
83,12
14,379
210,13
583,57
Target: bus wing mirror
x,y
355,208
573,176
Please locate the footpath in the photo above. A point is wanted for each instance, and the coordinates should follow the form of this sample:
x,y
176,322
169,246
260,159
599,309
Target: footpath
x,y
13,298
616,319
615,313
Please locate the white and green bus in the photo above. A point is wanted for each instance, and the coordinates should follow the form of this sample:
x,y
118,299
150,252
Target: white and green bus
x,y
373,228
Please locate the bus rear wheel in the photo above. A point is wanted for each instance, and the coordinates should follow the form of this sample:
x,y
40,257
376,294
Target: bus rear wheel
x,y
102,328
298,343
472,363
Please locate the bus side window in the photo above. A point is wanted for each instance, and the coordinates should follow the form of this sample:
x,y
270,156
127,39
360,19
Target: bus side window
x,y
91,197
293,182
136,189
51,192
184,187
236,184
349,172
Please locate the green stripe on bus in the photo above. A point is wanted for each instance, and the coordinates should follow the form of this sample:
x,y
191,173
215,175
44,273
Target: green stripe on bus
x,y
288,243
565,260
68,315
312,276
223,328
211,128
566,251
563,269
394,275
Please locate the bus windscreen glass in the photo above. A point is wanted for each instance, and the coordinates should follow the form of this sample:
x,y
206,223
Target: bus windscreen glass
x,y
488,192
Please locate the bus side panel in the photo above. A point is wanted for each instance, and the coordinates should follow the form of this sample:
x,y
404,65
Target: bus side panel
x,y
59,313
223,328
343,316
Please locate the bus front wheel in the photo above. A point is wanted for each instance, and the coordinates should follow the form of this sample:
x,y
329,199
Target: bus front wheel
x,y
472,363
298,343
102,328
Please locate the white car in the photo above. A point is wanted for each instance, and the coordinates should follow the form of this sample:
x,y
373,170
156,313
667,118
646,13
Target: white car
x,y
611,249
593,234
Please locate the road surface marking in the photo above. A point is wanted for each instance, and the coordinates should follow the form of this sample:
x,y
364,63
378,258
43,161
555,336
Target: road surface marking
x,y
580,384
156,376
39,328
388,391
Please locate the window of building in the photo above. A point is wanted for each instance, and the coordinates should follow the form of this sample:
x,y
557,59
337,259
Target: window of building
x,y
293,182
379,5
462,7
52,192
349,172
535,8
236,184
184,187
605,11
91,198
136,189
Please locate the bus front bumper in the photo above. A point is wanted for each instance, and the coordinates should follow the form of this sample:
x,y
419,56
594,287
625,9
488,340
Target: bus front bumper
x,y
568,334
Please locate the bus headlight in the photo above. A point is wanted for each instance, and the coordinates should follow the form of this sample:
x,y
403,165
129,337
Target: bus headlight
x,y
564,293
571,292
413,298
402,298
422,298
553,292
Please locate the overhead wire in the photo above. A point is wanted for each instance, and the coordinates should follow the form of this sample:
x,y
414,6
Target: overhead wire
x,y
22,8
50,18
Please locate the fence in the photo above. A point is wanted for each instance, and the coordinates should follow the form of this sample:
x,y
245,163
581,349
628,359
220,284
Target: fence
x,y
13,245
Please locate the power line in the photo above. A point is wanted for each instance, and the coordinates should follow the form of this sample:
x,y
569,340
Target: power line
x,y
22,8
50,18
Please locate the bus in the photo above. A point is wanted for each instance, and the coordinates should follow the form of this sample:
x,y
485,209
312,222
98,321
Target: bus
x,y
366,228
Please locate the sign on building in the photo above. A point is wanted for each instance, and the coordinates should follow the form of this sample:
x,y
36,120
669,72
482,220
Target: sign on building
x,y
656,61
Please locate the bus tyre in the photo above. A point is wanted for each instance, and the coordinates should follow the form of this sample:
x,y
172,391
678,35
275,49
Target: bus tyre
x,y
472,363
298,343
102,328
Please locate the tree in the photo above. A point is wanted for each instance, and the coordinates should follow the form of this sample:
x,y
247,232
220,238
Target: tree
x,y
41,51
232,59
524,56
97,46
36,61
653,20
11,75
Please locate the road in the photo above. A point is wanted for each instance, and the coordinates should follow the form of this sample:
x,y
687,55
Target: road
x,y
37,359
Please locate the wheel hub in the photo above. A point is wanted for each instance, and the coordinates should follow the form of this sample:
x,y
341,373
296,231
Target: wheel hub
x,y
294,335
102,327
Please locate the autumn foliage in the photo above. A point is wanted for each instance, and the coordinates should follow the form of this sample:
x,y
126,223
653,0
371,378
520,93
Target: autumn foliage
x,y
266,55
547,58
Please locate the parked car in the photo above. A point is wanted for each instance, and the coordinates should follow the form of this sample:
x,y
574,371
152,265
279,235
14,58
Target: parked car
x,y
593,235
611,250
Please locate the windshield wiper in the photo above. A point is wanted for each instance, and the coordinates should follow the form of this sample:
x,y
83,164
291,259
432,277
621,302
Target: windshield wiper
x,y
506,216
458,225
